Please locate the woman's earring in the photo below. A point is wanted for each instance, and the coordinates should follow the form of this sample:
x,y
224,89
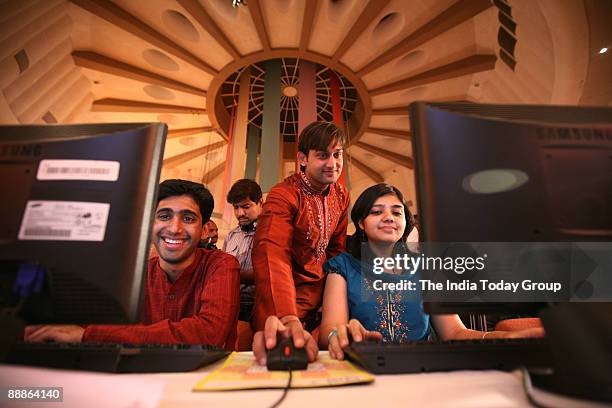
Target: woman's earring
x,y
364,237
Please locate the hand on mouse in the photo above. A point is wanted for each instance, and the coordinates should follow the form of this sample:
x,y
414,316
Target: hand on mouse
x,y
292,327
339,337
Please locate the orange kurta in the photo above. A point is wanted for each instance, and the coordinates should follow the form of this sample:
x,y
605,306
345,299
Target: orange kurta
x,y
298,229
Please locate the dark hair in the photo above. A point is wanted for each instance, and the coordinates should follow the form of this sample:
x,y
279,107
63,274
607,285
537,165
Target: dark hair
x,y
197,191
244,189
361,210
319,135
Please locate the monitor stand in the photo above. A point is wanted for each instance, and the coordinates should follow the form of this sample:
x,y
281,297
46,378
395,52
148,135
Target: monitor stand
x,y
552,390
12,328
580,337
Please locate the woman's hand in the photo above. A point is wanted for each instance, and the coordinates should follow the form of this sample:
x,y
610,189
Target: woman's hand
x,y
531,332
339,337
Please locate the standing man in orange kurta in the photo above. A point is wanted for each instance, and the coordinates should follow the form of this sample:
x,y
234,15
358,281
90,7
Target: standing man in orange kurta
x,y
303,223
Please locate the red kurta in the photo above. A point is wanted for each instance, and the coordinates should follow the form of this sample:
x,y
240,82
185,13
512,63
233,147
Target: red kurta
x,y
200,307
298,229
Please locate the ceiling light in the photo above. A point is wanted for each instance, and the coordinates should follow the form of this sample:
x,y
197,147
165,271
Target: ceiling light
x,y
603,50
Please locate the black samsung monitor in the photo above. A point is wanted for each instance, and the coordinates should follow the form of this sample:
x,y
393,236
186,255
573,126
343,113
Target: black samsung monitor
x,y
512,173
77,208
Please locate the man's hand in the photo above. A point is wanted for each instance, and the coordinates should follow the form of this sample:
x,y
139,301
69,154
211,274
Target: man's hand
x,y
340,339
266,339
61,333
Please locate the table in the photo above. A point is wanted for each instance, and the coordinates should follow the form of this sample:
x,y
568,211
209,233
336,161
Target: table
x,y
173,390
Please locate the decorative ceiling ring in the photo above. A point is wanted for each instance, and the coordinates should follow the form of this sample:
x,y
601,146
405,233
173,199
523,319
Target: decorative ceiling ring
x,y
289,98
219,118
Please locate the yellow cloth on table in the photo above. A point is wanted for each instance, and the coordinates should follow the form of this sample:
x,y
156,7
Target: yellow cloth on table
x,y
241,372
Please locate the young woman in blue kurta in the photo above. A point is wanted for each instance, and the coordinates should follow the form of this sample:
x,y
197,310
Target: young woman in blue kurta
x,y
350,303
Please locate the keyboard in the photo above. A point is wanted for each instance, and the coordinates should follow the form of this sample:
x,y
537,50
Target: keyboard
x,y
115,358
417,357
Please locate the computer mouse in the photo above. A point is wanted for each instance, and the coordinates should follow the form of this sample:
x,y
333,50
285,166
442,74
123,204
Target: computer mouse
x,y
285,356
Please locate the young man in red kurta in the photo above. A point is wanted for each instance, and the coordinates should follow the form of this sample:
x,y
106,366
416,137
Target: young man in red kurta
x,y
191,294
303,222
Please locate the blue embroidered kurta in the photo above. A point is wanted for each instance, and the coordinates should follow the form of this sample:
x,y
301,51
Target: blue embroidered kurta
x,y
398,315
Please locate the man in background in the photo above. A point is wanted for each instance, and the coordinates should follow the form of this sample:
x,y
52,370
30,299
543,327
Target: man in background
x,y
210,236
245,196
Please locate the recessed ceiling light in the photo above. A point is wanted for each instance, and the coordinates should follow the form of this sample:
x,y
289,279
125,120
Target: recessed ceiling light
x,y
603,50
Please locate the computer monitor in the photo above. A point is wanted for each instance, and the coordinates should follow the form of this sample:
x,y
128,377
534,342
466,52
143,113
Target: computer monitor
x,y
78,205
511,173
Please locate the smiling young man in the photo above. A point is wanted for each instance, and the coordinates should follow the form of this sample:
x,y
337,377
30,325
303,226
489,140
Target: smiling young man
x,y
191,295
303,223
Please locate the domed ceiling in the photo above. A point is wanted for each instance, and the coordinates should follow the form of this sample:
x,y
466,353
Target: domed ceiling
x,y
178,61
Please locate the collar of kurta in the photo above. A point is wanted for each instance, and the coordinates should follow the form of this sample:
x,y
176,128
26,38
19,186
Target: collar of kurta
x,y
187,271
309,187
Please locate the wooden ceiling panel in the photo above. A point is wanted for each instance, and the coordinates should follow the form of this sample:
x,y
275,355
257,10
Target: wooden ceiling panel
x,y
310,12
369,11
236,23
403,179
68,101
132,25
452,45
180,145
372,160
38,107
111,86
359,182
332,23
433,91
184,132
375,38
403,147
103,37
206,47
499,87
22,20
35,82
398,122
103,64
81,109
204,153
199,169
452,16
287,17
259,21
130,105
387,132
172,119
397,158
486,26
536,53
465,66
366,169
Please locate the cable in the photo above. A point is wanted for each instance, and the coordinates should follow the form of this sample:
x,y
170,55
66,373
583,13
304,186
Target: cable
x,y
528,388
285,391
